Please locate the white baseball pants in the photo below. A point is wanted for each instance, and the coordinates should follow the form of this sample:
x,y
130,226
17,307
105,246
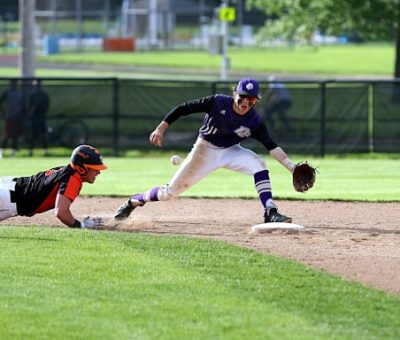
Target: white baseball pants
x,y
204,158
7,208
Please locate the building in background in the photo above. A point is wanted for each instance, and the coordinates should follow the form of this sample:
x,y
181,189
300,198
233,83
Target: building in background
x,y
155,24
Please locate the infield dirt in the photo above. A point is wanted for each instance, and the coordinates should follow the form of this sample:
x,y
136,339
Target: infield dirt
x,y
357,241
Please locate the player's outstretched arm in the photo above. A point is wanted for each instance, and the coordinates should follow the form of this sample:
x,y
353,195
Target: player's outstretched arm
x,y
157,136
64,214
62,211
303,174
281,156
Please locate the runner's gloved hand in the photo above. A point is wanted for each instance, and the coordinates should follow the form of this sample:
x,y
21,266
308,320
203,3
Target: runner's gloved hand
x,y
92,222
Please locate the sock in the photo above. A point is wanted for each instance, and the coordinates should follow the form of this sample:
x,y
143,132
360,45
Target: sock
x,y
263,187
137,197
148,196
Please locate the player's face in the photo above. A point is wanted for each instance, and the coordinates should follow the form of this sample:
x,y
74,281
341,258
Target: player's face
x,y
243,104
91,175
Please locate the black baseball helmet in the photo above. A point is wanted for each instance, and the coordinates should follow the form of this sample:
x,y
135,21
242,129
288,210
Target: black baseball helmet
x,y
84,157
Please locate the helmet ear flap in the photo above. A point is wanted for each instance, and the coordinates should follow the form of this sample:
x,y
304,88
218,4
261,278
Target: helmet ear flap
x,y
81,170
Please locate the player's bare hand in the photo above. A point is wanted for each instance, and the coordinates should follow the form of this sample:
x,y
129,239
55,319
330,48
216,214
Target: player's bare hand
x,y
157,137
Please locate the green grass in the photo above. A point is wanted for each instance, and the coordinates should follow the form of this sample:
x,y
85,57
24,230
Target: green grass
x,y
337,60
71,284
363,178
369,59
60,72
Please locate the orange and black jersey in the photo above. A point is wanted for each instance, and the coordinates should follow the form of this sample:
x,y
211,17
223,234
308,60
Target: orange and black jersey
x,y
38,193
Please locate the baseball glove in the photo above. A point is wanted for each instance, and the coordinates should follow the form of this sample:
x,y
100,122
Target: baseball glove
x,y
303,176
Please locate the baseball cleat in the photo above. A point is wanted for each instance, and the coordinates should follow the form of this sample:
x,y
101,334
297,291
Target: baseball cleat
x,y
274,216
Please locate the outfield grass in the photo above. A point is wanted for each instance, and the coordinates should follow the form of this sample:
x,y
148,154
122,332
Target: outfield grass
x,y
58,283
359,178
337,60
368,59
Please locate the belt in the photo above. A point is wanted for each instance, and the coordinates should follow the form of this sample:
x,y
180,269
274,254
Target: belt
x,y
13,196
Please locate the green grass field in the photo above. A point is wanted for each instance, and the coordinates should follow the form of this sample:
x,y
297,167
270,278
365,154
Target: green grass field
x,y
62,283
72,284
337,60
339,178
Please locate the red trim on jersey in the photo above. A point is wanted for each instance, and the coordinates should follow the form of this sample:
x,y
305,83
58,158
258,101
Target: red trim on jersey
x,y
48,203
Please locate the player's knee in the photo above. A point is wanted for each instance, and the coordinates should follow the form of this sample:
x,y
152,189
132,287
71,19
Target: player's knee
x,y
259,165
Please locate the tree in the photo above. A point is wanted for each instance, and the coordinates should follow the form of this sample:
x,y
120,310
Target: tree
x,y
370,19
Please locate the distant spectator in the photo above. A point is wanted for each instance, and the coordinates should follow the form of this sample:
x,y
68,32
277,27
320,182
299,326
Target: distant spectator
x,y
278,101
38,105
11,104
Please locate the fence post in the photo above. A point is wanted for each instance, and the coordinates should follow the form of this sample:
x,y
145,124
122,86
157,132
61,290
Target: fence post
x,y
115,116
323,118
213,87
370,119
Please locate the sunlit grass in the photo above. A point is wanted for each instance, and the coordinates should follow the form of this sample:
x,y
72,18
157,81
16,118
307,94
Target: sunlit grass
x,y
59,283
335,60
338,178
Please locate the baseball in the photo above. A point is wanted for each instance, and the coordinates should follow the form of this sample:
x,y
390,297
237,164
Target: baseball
x,y
175,159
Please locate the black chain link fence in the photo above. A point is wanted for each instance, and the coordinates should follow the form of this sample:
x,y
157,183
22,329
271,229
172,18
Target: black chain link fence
x,y
323,117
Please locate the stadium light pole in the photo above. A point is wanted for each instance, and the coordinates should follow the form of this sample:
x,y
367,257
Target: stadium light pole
x,y
27,49
224,33
153,29
78,18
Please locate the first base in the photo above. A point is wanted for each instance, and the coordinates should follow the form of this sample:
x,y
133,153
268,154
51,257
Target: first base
x,y
274,226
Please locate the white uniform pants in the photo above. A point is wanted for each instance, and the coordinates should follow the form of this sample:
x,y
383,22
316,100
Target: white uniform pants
x,y
204,158
7,208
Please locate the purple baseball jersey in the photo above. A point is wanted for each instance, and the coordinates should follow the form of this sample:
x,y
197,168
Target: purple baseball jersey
x,y
222,126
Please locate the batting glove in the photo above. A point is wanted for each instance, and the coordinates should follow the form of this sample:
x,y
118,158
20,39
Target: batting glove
x,y
92,223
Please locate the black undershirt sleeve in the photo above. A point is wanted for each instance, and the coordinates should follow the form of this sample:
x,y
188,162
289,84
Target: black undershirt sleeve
x,y
204,104
262,135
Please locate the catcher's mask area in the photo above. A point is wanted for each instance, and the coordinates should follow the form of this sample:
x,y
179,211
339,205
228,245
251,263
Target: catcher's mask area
x,y
84,157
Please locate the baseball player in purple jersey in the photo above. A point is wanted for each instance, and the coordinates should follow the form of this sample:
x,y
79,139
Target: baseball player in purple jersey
x,y
228,121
